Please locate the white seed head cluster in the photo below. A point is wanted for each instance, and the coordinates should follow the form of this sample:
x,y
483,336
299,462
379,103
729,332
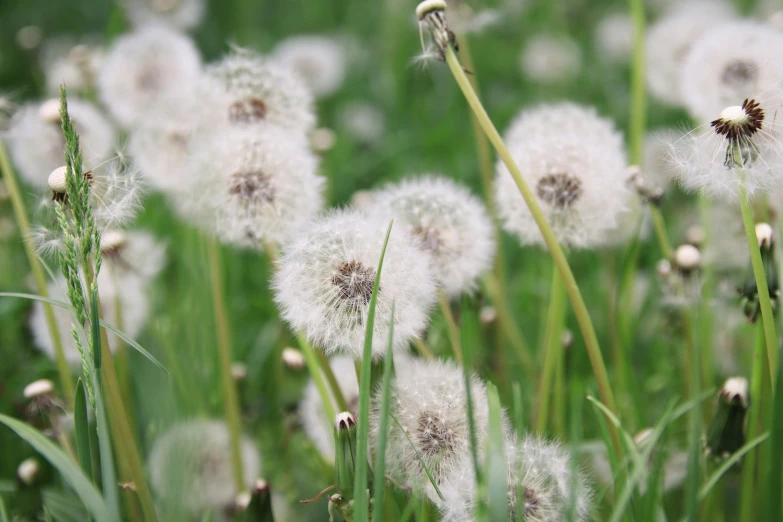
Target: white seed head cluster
x,y
128,291
76,64
574,162
448,222
116,192
429,401
614,37
716,75
318,60
550,59
178,14
363,121
670,39
161,151
148,73
655,156
133,254
247,89
326,276
311,409
251,186
37,145
190,466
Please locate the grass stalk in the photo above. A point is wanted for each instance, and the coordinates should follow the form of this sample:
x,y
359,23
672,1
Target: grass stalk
x,y
553,349
334,386
20,213
230,398
451,325
748,477
558,256
313,366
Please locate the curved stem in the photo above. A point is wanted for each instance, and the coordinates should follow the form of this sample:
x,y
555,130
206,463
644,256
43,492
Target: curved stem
x,y
337,392
554,349
558,256
17,202
311,359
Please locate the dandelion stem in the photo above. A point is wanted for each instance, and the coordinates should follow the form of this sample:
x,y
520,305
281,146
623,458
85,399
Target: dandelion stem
x,y
451,325
422,348
224,354
554,349
748,482
17,202
660,231
580,309
311,359
337,392
638,118
767,317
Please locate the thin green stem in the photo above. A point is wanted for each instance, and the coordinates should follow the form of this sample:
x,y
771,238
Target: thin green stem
x,y
230,399
422,348
748,483
17,202
558,256
451,325
311,359
337,392
705,310
553,351
638,117
660,231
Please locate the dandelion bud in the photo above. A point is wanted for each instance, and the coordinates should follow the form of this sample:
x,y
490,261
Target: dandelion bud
x,y
663,268
41,388
257,503
726,433
323,139
57,179
345,453
687,259
566,339
695,235
764,235
49,111
488,315
433,14
28,471
238,372
293,359
749,290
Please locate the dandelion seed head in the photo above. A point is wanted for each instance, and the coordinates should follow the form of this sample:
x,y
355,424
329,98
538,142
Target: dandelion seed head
x,y
311,409
74,63
161,152
448,222
37,145
149,72
326,275
614,37
363,121
687,257
133,253
318,60
293,359
550,59
178,14
56,180
574,162
190,465
116,192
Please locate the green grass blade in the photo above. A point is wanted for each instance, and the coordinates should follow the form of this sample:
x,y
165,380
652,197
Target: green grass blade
x,y
3,511
773,498
33,297
361,500
468,337
67,468
64,508
496,472
727,465
133,344
82,429
379,484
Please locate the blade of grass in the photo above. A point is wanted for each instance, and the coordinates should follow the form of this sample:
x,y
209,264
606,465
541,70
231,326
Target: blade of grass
x,y
361,500
55,302
379,484
728,464
133,344
469,336
773,501
81,428
418,457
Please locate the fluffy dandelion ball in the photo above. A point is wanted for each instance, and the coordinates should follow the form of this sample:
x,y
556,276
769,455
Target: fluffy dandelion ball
x,y
178,14
311,409
190,466
716,75
252,186
574,162
551,59
428,399
614,37
363,121
147,73
448,222
127,292
318,60
76,64
37,145
246,89
326,276
161,151
132,253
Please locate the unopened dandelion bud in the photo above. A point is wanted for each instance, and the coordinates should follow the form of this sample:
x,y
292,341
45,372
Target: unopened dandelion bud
x,y
645,189
112,242
687,258
488,315
566,339
238,372
50,111
695,235
257,504
663,268
726,433
323,139
749,290
345,453
433,14
764,235
39,389
28,471
293,359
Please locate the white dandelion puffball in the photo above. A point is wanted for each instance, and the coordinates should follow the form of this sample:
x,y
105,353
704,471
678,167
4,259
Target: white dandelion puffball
x,y
670,39
716,75
551,59
318,60
76,64
134,308
246,89
740,149
178,14
449,223
161,152
149,72
252,186
37,145
364,121
326,277
574,162
311,409
190,465
132,253
655,156
614,37
428,399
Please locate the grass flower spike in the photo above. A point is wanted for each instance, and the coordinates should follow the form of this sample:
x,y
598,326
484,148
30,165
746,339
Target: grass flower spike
x,y
326,276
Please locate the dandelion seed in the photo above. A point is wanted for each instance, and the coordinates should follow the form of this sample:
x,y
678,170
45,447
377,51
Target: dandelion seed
x,y
449,223
36,143
178,14
149,73
190,466
574,161
326,277
318,60
550,59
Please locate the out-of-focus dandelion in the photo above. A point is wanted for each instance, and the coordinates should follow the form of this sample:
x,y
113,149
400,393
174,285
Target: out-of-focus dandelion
x,y
29,37
160,150
326,277
449,223
132,253
548,58
364,121
614,37
74,63
179,14
318,60
574,161
655,156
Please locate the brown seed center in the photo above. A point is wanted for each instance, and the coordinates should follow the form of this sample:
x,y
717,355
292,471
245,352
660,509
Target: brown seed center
x,y
252,186
734,130
434,434
248,110
739,73
354,282
559,190
428,237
